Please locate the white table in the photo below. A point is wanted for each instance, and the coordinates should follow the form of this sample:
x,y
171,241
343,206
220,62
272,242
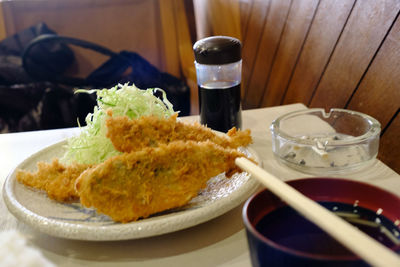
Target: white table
x,y
219,242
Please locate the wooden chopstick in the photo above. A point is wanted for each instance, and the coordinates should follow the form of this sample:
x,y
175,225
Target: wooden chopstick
x,y
348,235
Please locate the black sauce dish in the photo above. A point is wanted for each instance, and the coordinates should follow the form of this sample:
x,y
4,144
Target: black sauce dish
x,y
278,236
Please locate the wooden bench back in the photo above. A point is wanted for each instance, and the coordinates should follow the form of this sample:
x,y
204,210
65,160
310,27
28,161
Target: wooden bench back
x,y
159,30
323,53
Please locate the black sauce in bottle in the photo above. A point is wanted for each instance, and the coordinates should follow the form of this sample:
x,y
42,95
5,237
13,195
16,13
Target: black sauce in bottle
x,y
220,105
218,67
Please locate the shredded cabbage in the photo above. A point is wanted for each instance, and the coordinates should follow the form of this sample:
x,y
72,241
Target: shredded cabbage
x,y
92,146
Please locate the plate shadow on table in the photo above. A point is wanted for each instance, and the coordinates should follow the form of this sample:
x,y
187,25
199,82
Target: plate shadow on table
x,y
167,245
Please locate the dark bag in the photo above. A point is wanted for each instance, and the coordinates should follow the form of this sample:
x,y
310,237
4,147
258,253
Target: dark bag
x,y
55,56
27,104
41,96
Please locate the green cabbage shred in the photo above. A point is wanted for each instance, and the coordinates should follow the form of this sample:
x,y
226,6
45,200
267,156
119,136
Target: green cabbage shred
x,y
92,146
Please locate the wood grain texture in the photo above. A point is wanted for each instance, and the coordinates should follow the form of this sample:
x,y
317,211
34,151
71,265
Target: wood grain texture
x,y
368,24
389,150
295,32
252,38
168,26
327,26
224,17
269,43
203,26
245,8
379,92
185,52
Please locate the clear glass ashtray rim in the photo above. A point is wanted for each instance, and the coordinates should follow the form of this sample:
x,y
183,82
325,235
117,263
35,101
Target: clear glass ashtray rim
x,y
372,133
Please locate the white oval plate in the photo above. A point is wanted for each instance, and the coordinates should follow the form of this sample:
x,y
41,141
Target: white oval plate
x,y
73,221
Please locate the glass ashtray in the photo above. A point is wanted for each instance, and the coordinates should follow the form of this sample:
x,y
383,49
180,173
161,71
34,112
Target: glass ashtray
x,y
314,141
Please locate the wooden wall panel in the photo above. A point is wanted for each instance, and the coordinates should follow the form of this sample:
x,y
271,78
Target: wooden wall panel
x,y
252,38
367,26
379,92
327,26
269,43
389,149
168,26
224,18
185,50
297,25
245,8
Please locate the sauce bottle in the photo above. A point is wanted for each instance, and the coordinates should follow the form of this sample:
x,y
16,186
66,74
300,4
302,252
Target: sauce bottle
x,y
219,70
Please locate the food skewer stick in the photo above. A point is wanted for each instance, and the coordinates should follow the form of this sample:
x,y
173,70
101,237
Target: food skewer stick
x,y
355,240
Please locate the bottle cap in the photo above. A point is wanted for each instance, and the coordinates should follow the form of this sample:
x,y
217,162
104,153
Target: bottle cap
x,y
217,50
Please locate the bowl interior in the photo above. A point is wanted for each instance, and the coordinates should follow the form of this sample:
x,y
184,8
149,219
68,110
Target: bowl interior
x,y
353,197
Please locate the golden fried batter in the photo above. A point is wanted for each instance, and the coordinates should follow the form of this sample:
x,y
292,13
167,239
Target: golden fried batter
x,y
131,135
137,184
55,178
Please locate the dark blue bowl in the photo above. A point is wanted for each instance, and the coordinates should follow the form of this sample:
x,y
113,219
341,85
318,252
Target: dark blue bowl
x,y
266,245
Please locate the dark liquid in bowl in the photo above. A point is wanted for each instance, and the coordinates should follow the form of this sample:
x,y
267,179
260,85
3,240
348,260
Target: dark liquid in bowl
x,y
220,107
286,227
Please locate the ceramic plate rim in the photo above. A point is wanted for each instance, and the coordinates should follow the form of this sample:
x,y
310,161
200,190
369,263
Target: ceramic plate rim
x,y
140,229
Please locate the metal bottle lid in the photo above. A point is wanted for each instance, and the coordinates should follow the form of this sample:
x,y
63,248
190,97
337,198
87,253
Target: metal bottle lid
x,y
217,50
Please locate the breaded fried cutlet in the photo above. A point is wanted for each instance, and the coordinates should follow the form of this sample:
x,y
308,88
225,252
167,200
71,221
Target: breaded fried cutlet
x,y
56,179
133,134
138,184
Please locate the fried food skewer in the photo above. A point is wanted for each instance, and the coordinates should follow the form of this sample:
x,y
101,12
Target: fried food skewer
x,y
134,134
56,179
137,184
